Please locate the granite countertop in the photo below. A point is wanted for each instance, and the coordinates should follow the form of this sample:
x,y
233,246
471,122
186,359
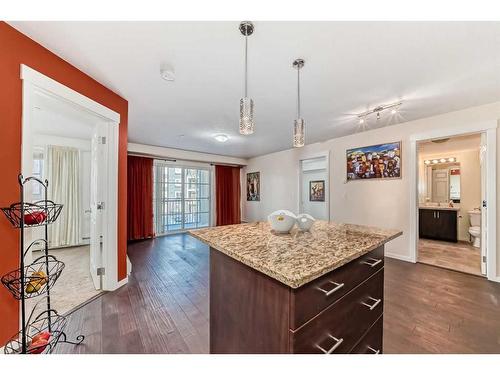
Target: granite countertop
x,y
299,257
446,208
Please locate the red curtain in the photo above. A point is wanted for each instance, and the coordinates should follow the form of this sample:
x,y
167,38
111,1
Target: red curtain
x,y
140,198
227,195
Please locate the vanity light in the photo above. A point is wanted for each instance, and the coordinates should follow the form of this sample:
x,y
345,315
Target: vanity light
x,y
442,160
221,137
246,104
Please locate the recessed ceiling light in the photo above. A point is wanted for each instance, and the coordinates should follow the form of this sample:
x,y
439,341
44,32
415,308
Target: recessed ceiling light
x,y
221,138
393,111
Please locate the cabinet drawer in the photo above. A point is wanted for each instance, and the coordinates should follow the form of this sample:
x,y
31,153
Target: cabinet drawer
x,y
371,343
312,298
338,328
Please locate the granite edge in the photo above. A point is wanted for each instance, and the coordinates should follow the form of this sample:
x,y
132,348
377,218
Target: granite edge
x,y
294,284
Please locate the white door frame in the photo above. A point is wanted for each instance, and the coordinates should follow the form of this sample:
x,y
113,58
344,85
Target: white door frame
x,y
490,129
35,83
325,154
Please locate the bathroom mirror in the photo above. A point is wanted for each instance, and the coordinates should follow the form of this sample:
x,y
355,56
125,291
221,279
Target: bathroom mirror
x,y
444,182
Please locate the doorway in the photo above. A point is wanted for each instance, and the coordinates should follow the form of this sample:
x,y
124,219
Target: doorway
x,y
72,142
454,219
314,187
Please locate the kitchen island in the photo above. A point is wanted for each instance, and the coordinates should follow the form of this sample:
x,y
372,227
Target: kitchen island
x,y
304,292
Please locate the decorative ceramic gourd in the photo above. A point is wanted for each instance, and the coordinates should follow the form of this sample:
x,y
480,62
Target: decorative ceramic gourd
x,y
282,221
305,222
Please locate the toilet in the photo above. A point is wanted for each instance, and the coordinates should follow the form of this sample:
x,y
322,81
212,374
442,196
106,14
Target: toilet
x,y
475,227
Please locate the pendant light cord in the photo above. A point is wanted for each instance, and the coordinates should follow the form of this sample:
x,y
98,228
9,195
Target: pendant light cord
x,y
298,93
246,65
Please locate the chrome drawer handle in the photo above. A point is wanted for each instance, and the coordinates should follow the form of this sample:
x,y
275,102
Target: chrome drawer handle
x,y
332,349
374,304
329,292
373,350
374,262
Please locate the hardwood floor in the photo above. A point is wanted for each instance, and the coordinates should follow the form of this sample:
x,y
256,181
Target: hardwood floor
x,y
459,256
164,307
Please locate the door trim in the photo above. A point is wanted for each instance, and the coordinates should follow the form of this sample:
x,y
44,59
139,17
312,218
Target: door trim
x,y
490,129
33,83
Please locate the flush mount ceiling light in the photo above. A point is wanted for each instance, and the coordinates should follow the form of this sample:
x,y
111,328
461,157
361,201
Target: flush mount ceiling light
x,y
221,138
299,123
167,72
377,111
246,104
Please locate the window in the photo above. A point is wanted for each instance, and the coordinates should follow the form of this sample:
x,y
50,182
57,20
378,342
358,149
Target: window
x,y
181,197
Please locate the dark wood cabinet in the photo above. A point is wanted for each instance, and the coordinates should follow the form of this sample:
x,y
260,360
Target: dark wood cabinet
x,y
438,224
336,313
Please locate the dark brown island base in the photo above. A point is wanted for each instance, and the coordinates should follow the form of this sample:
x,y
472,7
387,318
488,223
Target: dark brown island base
x,y
304,292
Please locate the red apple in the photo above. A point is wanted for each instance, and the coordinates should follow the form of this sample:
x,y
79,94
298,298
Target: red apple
x,y
38,346
35,217
42,335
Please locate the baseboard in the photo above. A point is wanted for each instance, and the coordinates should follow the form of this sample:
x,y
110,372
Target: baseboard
x,y
495,279
121,283
405,258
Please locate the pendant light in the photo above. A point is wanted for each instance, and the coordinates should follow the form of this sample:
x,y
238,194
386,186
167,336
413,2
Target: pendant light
x,y
246,104
299,124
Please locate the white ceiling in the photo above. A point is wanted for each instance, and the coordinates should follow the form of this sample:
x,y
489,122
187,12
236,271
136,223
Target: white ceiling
x,y
350,66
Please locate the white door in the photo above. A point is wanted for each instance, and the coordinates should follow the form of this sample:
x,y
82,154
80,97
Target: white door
x,y
484,221
98,173
440,185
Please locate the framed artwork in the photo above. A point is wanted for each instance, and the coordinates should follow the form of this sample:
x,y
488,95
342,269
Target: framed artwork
x,y
253,186
377,161
317,191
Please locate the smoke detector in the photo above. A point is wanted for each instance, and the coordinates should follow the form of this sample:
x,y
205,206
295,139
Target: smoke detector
x,y
167,72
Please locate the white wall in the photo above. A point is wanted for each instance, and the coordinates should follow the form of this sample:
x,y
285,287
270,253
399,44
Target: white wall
x,y
370,202
174,153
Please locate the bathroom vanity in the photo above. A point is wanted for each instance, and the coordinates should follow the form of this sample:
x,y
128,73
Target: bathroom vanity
x,y
438,223
304,292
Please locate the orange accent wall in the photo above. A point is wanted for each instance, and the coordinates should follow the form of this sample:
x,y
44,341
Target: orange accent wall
x,y
17,49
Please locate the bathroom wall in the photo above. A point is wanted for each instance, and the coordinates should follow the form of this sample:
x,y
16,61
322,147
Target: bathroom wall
x,y
383,203
467,154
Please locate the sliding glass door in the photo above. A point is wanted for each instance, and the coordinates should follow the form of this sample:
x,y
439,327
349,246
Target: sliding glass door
x,y
182,197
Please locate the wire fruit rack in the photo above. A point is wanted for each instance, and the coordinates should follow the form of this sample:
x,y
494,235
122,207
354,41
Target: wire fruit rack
x,y
40,332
